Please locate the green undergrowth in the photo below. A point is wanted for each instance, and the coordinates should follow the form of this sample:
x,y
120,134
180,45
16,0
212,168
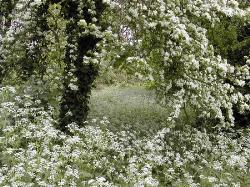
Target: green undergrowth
x,y
109,151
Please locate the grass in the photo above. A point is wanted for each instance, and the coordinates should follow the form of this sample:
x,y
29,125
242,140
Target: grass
x,y
129,107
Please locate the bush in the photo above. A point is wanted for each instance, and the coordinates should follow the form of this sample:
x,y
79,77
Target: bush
x,y
34,153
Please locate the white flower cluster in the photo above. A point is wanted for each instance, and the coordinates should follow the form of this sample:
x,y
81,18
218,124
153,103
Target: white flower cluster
x,y
171,48
34,153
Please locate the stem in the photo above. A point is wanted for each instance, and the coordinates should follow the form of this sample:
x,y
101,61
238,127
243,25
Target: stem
x,y
186,114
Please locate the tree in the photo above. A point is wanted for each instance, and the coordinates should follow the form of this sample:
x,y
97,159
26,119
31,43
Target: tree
x,y
172,47
82,36
63,32
230,39
168,42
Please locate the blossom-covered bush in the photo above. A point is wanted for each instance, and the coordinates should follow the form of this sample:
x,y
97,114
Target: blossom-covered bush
x,y
59,36
167,42
35,153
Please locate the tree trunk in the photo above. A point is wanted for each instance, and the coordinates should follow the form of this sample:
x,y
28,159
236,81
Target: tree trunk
x,y
74,105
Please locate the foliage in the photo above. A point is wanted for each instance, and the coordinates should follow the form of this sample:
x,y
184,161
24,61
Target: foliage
x,y
34,153
171,45
54,36
94,155
195,53
232,42
109,76
175,48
